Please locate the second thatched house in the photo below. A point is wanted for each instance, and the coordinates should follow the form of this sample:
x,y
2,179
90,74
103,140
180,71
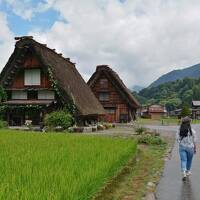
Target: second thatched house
x,y
117,100
38,80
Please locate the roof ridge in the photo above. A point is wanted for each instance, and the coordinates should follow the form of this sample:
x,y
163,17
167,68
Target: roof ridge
x,y
53,50
107,67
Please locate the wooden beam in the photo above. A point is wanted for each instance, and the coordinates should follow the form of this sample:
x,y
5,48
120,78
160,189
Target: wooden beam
x,y
16,66
23,37
19,61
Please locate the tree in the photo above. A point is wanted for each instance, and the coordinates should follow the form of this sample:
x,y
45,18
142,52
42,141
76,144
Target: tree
x,y
196,92
187,96
185,110
171,104
3,95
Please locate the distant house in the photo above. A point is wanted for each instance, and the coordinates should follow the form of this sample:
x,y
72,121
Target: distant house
x,y
196,109
175,113
117,100
38,80
153,111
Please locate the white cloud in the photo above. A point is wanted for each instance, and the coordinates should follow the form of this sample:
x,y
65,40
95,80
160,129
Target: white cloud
x,y
6,41
26,9
140,39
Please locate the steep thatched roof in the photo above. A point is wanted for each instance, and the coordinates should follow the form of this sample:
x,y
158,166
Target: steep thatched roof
x,y
117,83
64,71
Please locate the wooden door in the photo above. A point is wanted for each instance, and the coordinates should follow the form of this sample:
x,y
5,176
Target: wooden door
x,y
111,115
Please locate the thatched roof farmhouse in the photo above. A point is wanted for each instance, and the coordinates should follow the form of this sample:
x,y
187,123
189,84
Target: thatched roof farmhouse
x,y
37,76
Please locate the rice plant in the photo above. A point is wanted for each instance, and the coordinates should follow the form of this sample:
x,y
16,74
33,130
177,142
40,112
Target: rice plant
x,y
51,166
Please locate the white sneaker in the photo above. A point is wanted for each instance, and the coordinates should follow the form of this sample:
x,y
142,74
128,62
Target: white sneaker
x,y
184,176
188,173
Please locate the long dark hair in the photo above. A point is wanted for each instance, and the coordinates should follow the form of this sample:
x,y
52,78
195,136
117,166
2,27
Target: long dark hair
x,y
185,128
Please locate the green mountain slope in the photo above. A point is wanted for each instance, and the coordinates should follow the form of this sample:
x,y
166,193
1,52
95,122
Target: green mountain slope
x,y
193,72
171,94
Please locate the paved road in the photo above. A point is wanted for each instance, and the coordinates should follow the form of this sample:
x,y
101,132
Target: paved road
x,y
171,187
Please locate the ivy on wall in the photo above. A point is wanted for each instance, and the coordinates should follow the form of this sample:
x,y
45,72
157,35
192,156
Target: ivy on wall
x,y
3,95
70,105
3,108
54,83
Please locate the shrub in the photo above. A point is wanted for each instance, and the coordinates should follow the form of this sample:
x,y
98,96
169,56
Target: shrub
x,y
59,118
3,124
140,130
150,139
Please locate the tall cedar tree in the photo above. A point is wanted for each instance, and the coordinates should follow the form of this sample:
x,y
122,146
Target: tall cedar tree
x,y
185,110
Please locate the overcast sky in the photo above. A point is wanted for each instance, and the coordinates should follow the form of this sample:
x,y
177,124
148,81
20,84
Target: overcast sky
x,y
139,39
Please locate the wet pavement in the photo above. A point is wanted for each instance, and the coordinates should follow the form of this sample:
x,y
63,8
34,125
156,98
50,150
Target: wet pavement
x,y
171,186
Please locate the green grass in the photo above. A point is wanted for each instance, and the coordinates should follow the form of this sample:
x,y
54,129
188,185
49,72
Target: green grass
x,y
196,121
134,183
58,166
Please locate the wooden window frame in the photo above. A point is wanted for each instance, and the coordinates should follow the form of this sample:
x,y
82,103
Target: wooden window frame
x,y
103,83
31,82
104,96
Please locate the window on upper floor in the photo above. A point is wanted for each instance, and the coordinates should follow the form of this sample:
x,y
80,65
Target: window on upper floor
x,y
18,95
46,94
103,96
32,77
104,83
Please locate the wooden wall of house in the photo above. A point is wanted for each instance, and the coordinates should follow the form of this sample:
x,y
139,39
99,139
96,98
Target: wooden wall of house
x,y
30,63
115,99
156,115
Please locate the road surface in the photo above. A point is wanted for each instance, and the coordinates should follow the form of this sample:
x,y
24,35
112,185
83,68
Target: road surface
x,y
171,186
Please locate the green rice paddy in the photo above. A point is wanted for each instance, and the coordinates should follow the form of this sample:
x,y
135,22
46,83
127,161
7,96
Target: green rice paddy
x,y
35,166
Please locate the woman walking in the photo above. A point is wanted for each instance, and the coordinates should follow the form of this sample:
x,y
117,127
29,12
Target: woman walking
x,y
186,137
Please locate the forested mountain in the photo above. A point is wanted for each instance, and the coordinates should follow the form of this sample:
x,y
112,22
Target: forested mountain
x,y
171,94
192,72
137,88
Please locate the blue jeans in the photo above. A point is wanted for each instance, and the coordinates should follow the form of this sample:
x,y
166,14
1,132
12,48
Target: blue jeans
x,y
186,156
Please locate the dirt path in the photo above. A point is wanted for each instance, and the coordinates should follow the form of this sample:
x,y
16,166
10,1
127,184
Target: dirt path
x,y
119,130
